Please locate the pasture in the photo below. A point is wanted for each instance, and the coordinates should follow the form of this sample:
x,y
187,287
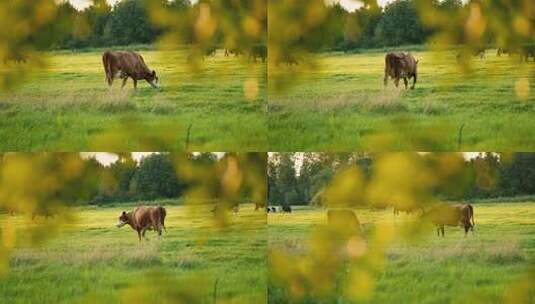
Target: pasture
x,y
92,261
68,106
343,106
430,269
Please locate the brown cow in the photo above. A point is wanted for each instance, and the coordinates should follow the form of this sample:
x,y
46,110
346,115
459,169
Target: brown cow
x,y
127,64
344,221
451,215
401,65
143,219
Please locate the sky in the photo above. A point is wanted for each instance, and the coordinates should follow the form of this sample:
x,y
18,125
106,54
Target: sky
x,y
81,4
107,158
349,5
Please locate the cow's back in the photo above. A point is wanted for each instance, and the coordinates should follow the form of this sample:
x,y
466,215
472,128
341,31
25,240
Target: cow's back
x,y
400,64
444,215
143,217
128,62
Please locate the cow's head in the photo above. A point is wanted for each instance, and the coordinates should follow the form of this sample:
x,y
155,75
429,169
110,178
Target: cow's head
x,y
123,219
153,80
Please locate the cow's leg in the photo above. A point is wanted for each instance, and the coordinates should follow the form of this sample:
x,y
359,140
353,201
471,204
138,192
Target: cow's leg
x,y
466,228
442,228
396,82
124,82
414,81
438,230
406,82
135,84
143,233
139,235
109,79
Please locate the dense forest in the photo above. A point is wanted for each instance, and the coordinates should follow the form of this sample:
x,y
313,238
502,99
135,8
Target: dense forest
x,y
301,178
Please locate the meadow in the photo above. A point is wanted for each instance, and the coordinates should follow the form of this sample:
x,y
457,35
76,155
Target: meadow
x,y
68,106
93,261
478,268
342,105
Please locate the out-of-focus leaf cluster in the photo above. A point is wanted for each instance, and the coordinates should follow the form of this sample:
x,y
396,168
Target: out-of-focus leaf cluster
x,y
40,187
28,27
342,264
296,30
239,27
478,25
224,184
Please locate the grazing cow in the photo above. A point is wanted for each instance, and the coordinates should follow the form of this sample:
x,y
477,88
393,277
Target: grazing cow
x,y
408,210
478,52
401,65
286,209
235,51
221,208
524,51
143,219
258,51
451,215
344,221
127,64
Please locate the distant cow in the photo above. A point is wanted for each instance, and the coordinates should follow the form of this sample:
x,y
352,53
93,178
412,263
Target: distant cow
x,y
258,51
127,65
401,65
143,219
219,209
464,54
524,51
344,220
271,209
286,208
451,215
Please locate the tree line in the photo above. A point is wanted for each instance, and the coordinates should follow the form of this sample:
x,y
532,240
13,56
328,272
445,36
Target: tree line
x,y
488,175
99,25
73,179
128,22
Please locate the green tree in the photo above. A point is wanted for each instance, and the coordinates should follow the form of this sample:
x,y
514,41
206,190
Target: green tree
x,y
400,24
156,178
129,23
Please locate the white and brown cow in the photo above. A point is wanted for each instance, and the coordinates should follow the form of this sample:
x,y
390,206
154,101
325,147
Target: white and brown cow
x,y
401,65
143,219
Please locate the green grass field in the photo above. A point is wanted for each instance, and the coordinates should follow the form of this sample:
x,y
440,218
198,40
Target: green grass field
x,y
343,106
457,269
68,107
92,261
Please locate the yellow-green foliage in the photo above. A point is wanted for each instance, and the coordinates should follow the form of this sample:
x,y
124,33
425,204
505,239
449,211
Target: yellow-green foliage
x,y
489,266
92,260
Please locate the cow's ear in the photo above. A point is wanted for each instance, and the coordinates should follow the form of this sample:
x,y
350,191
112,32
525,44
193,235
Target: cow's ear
x,y
154,73
124,213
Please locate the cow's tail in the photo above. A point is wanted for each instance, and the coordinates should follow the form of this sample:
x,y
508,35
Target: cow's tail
x,y
472,215
106,61
163,213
